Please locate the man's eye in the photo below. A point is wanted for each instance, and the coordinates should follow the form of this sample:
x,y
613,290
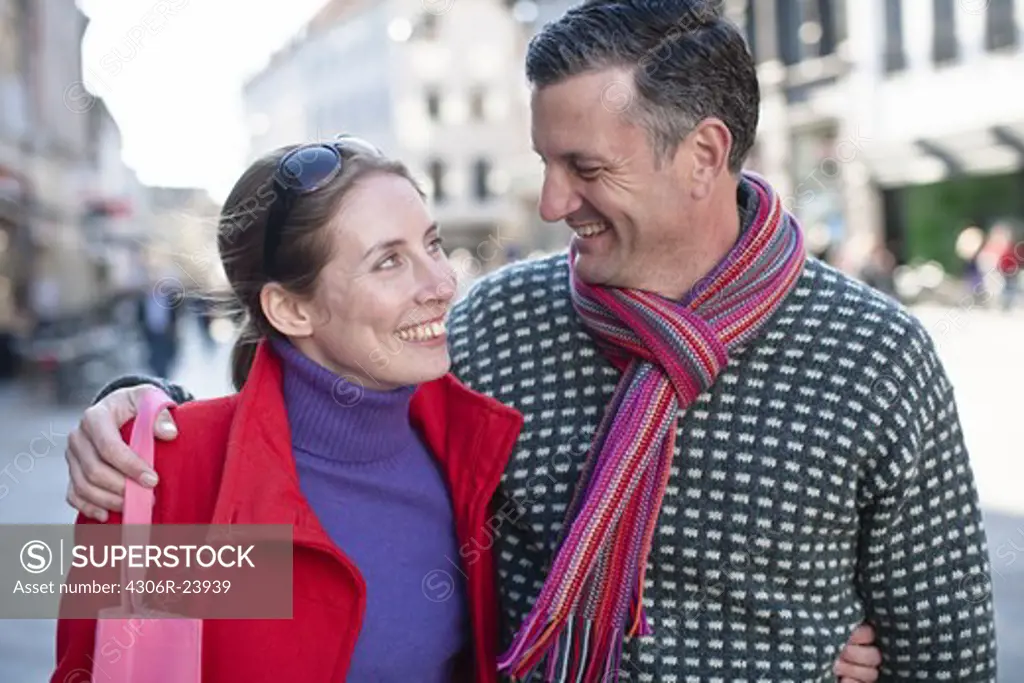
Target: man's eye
x,y
588,171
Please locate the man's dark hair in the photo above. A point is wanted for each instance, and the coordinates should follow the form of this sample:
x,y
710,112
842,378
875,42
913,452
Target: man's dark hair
x,y
688,62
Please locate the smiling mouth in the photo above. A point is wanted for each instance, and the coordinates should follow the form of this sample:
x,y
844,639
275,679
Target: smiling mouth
x,y
422,332
591,229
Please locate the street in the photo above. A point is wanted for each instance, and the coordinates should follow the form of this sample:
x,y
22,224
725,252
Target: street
x,y
981,351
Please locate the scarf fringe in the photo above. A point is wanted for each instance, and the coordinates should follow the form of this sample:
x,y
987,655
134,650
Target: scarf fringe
x,y
574,658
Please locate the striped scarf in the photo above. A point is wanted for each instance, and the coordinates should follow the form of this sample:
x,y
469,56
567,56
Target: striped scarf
x,y
669,352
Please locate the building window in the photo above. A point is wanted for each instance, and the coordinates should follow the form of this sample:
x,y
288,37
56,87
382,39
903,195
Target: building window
x,y
437,173
750,26
482,179
1000,25
831,14
788,26
820,210
434,104
944,43
14,69
426,28
737,12
478,104
894,58
808,29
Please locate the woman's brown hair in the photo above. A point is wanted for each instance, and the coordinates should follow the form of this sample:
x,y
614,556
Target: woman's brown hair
x,y
304,247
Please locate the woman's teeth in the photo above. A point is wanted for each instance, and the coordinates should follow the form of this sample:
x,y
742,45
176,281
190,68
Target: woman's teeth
x,y
423,332
590,229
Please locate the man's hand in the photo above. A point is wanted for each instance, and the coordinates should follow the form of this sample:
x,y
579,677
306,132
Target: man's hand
x,y
859,661
99,461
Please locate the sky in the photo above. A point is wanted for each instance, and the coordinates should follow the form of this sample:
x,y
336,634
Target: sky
x,y
171,73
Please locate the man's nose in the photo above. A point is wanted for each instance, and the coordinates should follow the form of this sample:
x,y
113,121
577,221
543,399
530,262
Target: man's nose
x,y
558,198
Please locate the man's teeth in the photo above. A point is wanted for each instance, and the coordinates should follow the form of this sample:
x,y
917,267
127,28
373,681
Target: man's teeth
x,y
423,332
590,229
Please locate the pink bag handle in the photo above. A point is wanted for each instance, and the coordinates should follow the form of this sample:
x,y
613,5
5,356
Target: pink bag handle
x,y
138,500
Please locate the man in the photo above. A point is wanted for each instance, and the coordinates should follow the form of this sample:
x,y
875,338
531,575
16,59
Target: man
x,y
732,453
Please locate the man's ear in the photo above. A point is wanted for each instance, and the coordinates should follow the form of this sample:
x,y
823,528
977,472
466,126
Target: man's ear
x,y
709,146
288,313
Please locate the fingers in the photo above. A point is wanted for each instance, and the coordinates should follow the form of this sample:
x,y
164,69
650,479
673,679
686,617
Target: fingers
x,y
97,488
851,673
859,664
127,407
863,635
87,472
861,655
88,498
101,427
78,503
859,660
165,428
99,461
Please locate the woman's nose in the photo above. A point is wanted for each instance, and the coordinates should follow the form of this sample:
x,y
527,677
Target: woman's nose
x,y
438,282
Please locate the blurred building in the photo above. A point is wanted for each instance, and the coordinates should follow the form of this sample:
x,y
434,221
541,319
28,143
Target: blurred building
x,y
42,156
63,189
436,84
545,11
182,249
867,103
526,170
61,279
116,217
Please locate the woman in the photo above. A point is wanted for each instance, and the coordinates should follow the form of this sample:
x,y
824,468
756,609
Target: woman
x,y
345,404
338,324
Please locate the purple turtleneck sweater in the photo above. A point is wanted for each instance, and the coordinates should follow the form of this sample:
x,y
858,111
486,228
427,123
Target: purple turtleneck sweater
x,y
381,497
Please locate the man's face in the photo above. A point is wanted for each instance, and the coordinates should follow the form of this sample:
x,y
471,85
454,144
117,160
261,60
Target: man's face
x,y
628,214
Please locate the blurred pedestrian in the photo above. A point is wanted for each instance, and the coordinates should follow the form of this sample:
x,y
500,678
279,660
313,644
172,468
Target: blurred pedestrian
x,y
202,309
992,258
159,311
1010,263
879,268
968,247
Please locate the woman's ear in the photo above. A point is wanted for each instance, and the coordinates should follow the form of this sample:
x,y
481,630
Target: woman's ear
x,y
286,312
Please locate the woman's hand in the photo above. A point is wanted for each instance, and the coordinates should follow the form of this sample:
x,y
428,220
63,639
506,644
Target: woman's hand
x,y
99,461
860,659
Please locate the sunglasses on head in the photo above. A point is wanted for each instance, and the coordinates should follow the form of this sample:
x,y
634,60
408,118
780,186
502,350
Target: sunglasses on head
x,y
302,171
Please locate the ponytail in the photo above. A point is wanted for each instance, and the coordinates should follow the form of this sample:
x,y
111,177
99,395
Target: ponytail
x,y
243,353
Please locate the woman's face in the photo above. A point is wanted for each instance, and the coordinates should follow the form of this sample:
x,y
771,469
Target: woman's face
x,y
381,301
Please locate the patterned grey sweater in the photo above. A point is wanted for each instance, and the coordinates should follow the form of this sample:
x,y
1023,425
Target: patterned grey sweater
x,y
822,481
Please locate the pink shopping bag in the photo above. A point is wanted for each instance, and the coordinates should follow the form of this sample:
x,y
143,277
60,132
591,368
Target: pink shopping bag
x,y
131,645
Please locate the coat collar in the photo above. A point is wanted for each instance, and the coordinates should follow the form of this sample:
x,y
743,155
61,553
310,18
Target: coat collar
x,y
471,436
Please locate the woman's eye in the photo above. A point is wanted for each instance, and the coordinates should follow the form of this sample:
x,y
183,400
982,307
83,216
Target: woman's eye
x,y
388,263
436,244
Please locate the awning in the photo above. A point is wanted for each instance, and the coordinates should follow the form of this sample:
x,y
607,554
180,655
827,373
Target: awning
x,y
983,151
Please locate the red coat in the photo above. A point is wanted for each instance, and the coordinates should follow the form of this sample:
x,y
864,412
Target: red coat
x,y
232,463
